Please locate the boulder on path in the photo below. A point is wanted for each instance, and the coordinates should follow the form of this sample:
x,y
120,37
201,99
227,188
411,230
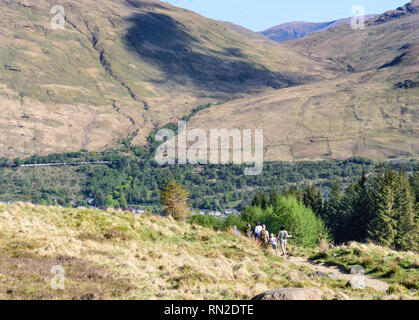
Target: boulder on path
x,y
290,294
356,283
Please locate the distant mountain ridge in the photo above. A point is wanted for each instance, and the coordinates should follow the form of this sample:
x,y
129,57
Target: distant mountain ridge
x,y
298,29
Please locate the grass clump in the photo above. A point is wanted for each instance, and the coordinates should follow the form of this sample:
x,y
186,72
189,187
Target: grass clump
x,y
367,261
396,288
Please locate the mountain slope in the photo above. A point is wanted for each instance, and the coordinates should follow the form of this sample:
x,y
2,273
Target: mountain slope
x,y
371,111
123,67
299,29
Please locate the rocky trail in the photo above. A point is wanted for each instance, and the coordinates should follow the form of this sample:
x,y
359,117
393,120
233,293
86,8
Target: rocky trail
x,y
340,273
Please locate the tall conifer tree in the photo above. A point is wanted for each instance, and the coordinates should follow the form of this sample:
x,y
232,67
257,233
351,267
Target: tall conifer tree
x,y
332,208
406,227
382,227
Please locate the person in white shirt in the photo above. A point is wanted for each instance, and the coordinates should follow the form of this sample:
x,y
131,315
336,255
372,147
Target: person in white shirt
x,y
258,230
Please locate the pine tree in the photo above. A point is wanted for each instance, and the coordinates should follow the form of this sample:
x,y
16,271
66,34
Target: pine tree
x,y
406,229
343,231
414,183
274,198
293,192
361,210
332,208
313,199
381,228
175,200
260,200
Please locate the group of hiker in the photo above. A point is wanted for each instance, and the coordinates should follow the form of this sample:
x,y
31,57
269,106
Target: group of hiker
x,y
261,235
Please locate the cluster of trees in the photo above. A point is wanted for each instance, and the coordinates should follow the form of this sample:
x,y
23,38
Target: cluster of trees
x,y
135,180
212,187
280,209
382,208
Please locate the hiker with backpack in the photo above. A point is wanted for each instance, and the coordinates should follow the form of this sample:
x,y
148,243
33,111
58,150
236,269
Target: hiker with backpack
x,y
249,231
282,237
264,237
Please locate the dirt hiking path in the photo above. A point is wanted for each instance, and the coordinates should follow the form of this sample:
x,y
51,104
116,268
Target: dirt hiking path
x,y
376,284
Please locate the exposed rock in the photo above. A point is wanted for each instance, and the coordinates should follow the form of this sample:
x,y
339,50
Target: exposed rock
x,y
317,274
356,283
290,294
322,274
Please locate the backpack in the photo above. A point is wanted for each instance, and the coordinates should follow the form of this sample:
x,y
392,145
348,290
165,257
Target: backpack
x,y
249,232
264,236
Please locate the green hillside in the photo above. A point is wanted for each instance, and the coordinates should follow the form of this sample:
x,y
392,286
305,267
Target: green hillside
x,y
117,255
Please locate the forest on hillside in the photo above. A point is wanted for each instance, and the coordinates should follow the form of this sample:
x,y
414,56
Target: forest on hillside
x,y
133,179
382,208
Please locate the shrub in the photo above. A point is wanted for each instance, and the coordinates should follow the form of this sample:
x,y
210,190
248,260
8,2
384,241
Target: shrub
x,y
396,288
411,282
233,220
307,229
324,246
207,221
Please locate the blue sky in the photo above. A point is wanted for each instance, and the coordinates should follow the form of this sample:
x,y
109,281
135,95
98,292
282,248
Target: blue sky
x,y
259,15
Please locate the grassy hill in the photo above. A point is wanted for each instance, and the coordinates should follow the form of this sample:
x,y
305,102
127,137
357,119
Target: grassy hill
x,y
370,111
121,68
116,255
